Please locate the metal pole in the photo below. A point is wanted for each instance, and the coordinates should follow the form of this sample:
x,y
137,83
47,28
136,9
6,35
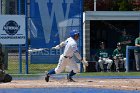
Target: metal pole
x,y
81,39
20,48
127,59
26,20
94,5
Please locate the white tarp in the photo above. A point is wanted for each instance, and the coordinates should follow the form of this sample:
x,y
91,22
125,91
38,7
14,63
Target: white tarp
x,y
12,29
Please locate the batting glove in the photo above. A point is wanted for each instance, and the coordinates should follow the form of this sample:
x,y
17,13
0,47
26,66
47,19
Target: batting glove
x,y
53,48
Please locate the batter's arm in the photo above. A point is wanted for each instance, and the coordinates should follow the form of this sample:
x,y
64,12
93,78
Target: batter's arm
x,y
59,46
76,53
83,60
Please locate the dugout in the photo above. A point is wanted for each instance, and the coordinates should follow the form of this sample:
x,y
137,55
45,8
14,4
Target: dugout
x,y
107,26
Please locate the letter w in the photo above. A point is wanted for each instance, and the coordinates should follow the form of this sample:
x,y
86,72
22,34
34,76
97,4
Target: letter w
x,y
56,11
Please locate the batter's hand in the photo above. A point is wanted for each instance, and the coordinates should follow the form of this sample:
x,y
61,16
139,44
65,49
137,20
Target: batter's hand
x,y
29,50
53,48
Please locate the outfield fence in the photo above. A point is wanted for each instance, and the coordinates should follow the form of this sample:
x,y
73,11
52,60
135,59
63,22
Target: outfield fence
x,y
15,63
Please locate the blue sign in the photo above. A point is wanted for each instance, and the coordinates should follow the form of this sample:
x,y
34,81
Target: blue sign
x,y
51,21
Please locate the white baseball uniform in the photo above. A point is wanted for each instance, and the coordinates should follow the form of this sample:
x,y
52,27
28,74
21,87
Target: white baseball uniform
x,y
66,59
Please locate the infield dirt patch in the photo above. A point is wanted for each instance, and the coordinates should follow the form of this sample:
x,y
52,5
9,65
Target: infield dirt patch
x,y
121,84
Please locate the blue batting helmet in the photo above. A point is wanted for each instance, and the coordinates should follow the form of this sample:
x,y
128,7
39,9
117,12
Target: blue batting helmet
x,y
73,33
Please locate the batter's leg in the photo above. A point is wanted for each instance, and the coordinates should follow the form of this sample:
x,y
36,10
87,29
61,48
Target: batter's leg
x,y
60,67
72,63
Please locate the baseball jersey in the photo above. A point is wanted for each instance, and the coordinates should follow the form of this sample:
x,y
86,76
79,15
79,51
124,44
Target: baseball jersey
x,y
103,53
126,40
137,41
118,53
70,47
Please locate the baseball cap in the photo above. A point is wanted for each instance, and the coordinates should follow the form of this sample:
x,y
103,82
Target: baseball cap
x,y
118,44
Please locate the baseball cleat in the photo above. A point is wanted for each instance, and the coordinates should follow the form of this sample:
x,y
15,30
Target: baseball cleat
x,y
70,79
47,78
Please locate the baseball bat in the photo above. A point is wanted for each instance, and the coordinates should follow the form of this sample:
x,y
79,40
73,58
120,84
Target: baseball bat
x,y
36,50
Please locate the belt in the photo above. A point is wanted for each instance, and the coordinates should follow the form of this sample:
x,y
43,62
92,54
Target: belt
x,y
67,57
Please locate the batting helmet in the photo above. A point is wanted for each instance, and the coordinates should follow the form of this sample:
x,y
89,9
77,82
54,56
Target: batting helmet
x,y
73,33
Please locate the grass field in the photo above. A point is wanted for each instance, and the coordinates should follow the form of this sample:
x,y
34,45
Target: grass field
x,y
82,74
110,74
41,68
13,68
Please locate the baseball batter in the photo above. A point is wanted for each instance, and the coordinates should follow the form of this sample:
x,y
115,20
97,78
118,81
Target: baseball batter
x,y
66,59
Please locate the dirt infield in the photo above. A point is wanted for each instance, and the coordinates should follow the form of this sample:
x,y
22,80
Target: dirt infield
x,y
121,84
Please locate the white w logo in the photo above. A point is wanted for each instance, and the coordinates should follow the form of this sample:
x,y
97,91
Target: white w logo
x,y
57,11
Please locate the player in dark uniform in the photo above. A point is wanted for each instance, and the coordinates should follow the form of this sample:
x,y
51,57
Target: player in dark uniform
x,y
137,53
104,58
3,76
118,56
126,40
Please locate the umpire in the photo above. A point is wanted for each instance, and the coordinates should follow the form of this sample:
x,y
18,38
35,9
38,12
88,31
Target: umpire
x,y
3,76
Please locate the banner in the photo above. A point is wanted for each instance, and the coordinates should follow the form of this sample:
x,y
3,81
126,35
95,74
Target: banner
x,y
12,29
51,21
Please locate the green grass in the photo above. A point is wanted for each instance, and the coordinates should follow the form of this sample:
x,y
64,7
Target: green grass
x,y
110,74
13,68
37,76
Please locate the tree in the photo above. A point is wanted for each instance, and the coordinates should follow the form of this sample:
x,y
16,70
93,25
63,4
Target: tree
x,y
88,5
124,5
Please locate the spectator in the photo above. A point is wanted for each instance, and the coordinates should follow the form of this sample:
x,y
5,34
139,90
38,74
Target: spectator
x,y
103,56
118,57
137,53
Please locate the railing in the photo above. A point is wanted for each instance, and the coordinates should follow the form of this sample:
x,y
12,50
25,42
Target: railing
x,y
127,55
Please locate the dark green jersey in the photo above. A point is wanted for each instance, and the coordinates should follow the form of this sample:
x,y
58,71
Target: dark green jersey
x,y
103,53
137,41
118,53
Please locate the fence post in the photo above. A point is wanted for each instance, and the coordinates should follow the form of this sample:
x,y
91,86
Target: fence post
x,y
81,65
26,21
127,59
4,49
20,48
